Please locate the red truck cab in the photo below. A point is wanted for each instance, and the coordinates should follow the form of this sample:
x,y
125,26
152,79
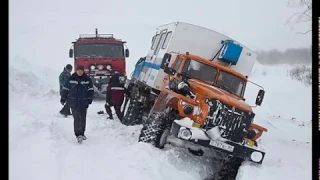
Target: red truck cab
x,y
102,55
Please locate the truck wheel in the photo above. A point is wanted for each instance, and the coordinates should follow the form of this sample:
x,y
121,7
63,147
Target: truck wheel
x,y
133,115
155,131
229,169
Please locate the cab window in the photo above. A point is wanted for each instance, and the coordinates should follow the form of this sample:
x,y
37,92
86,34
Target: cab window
x,y
177,64
231,83
167,39
199,70
155,41
159,42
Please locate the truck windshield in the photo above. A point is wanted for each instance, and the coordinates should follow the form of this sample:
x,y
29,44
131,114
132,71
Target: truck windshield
x,y
99,50
200,71
231,83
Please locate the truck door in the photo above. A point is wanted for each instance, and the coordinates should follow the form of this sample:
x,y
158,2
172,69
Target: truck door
x,y
157,56
151,63
154,42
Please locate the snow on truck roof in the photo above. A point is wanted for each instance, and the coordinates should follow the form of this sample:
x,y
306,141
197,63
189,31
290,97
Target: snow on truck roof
x,y
104,36
180,22
97,37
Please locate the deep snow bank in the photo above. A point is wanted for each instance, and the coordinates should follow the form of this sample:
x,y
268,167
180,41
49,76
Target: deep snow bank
x,y
26,78
42,144
286,113
284,97
39,135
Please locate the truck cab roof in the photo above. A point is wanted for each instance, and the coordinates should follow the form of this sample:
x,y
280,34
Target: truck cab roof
x,y
216,64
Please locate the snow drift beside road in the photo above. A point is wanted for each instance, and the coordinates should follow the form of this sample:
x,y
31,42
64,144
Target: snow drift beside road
x,y
30,79
284,97
286,113
42,144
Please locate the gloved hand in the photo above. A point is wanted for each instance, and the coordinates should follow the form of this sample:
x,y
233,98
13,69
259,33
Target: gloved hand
x,y
62,101
89,101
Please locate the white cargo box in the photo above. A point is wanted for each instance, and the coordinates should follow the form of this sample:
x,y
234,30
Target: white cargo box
x,y
182,37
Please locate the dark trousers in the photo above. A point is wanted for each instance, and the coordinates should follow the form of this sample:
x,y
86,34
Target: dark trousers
x,y
65,110
117,108
79,123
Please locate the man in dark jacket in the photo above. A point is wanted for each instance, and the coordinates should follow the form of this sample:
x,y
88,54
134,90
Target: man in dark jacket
x,y
115,96
63,78
78,92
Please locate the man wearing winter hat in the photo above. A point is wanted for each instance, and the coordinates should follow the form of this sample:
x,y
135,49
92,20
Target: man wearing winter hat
x,y
115,96
63,78
78,93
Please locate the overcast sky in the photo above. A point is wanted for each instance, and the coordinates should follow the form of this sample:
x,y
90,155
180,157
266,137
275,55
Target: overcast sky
x,y
42,30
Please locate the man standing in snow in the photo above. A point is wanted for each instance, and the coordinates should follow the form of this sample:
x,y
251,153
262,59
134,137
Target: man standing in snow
x,y
63,78
115,96
78,92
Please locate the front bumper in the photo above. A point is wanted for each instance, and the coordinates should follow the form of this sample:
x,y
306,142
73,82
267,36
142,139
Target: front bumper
x,y
101,82
226,146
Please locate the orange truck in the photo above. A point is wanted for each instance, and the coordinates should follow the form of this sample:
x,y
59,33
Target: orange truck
x,y
195,99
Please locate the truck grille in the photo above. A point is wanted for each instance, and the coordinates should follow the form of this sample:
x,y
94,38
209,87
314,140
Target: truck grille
x,y
233,122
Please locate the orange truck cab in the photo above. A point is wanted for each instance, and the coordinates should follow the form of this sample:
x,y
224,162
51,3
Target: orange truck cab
x,y
196,100
201,106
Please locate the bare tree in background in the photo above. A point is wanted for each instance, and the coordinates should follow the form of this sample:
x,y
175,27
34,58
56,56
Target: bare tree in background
x,y
301,17
302,74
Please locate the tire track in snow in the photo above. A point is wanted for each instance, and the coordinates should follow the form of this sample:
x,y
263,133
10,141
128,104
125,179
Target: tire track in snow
x,y
110,147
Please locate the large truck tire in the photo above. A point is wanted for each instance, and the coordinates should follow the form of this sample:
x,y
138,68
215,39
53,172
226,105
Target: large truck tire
x,y
155,131
228,169
133,114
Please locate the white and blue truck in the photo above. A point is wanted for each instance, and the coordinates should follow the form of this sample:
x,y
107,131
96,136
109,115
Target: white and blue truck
x,y
189,92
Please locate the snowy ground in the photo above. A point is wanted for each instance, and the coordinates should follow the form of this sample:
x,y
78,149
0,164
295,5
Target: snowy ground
x,y
42,144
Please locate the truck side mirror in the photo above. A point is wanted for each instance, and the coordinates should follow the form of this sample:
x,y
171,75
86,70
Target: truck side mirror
x,y
71,53
260,97
127,52
169,70
165,60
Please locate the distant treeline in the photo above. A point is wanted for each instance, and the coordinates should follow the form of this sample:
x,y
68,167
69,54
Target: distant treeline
x,y
289,56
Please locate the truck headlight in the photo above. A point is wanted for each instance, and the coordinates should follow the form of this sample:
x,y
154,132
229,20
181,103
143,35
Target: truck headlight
x,y
185,133
109,67
256,156
92,67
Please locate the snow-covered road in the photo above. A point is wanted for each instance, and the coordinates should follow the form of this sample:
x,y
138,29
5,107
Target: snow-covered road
x,y
42,144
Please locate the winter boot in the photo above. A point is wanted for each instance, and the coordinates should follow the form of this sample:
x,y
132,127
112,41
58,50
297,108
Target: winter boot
x,y
84,137
80,139
110,115
64,115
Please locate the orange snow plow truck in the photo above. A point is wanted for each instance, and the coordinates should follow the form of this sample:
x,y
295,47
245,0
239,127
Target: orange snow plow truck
x,y
197,96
